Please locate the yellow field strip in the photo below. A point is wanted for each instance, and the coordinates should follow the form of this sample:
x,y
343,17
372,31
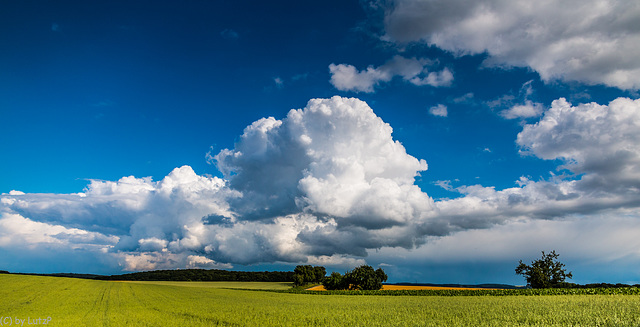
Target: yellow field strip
x,y
408,287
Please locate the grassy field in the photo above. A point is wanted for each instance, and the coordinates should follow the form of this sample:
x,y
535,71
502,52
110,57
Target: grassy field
x,y
75,302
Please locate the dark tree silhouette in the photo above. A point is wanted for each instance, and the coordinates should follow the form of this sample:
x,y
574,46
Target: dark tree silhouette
x,y
361,278
335,282
545,272
307,274
205,275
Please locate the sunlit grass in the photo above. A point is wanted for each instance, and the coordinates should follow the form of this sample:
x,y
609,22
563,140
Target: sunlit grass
x,y
75,302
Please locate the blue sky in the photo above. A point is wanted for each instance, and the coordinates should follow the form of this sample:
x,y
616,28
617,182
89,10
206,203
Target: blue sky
x,y
439,140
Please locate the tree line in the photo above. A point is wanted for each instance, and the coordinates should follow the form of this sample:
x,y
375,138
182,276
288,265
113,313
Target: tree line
x,y
202,275
360,278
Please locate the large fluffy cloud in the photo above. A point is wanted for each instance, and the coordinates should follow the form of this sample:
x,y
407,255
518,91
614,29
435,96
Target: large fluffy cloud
x,y
132,216
292,187
598,146
334,159
594,41
328,184
336,162
600,141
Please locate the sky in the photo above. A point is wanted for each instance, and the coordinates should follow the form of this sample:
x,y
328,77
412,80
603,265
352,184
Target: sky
x,y
442,141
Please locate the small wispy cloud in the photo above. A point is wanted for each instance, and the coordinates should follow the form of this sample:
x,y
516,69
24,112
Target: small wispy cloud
x,y
520,107
466,98
299,77
103,103
528,109
445,184
279,82
345,77
229,34
440,110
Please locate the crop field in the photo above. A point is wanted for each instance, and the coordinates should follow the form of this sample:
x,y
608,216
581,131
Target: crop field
x,y
408,288
35,300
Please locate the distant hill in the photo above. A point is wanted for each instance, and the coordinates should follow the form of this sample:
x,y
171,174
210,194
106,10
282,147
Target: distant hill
x,y
69,275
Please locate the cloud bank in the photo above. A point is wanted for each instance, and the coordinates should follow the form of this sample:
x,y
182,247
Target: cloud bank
x,y
325,182
327,185
594,42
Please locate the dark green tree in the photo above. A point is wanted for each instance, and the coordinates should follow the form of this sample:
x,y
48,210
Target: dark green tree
x,y
335,281
307,274
365,278
319,273
545,272
361,278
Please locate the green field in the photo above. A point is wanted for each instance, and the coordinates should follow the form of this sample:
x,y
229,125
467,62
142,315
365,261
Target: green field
x,y
77,302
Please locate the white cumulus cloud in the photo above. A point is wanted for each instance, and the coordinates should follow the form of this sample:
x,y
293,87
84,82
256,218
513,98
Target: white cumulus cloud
x,y
593,41
329,170
598,146
599,141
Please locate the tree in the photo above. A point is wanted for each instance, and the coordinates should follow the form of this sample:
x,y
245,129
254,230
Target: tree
x,y
335,281
361,278
365,278
545,272
319,272
307,274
